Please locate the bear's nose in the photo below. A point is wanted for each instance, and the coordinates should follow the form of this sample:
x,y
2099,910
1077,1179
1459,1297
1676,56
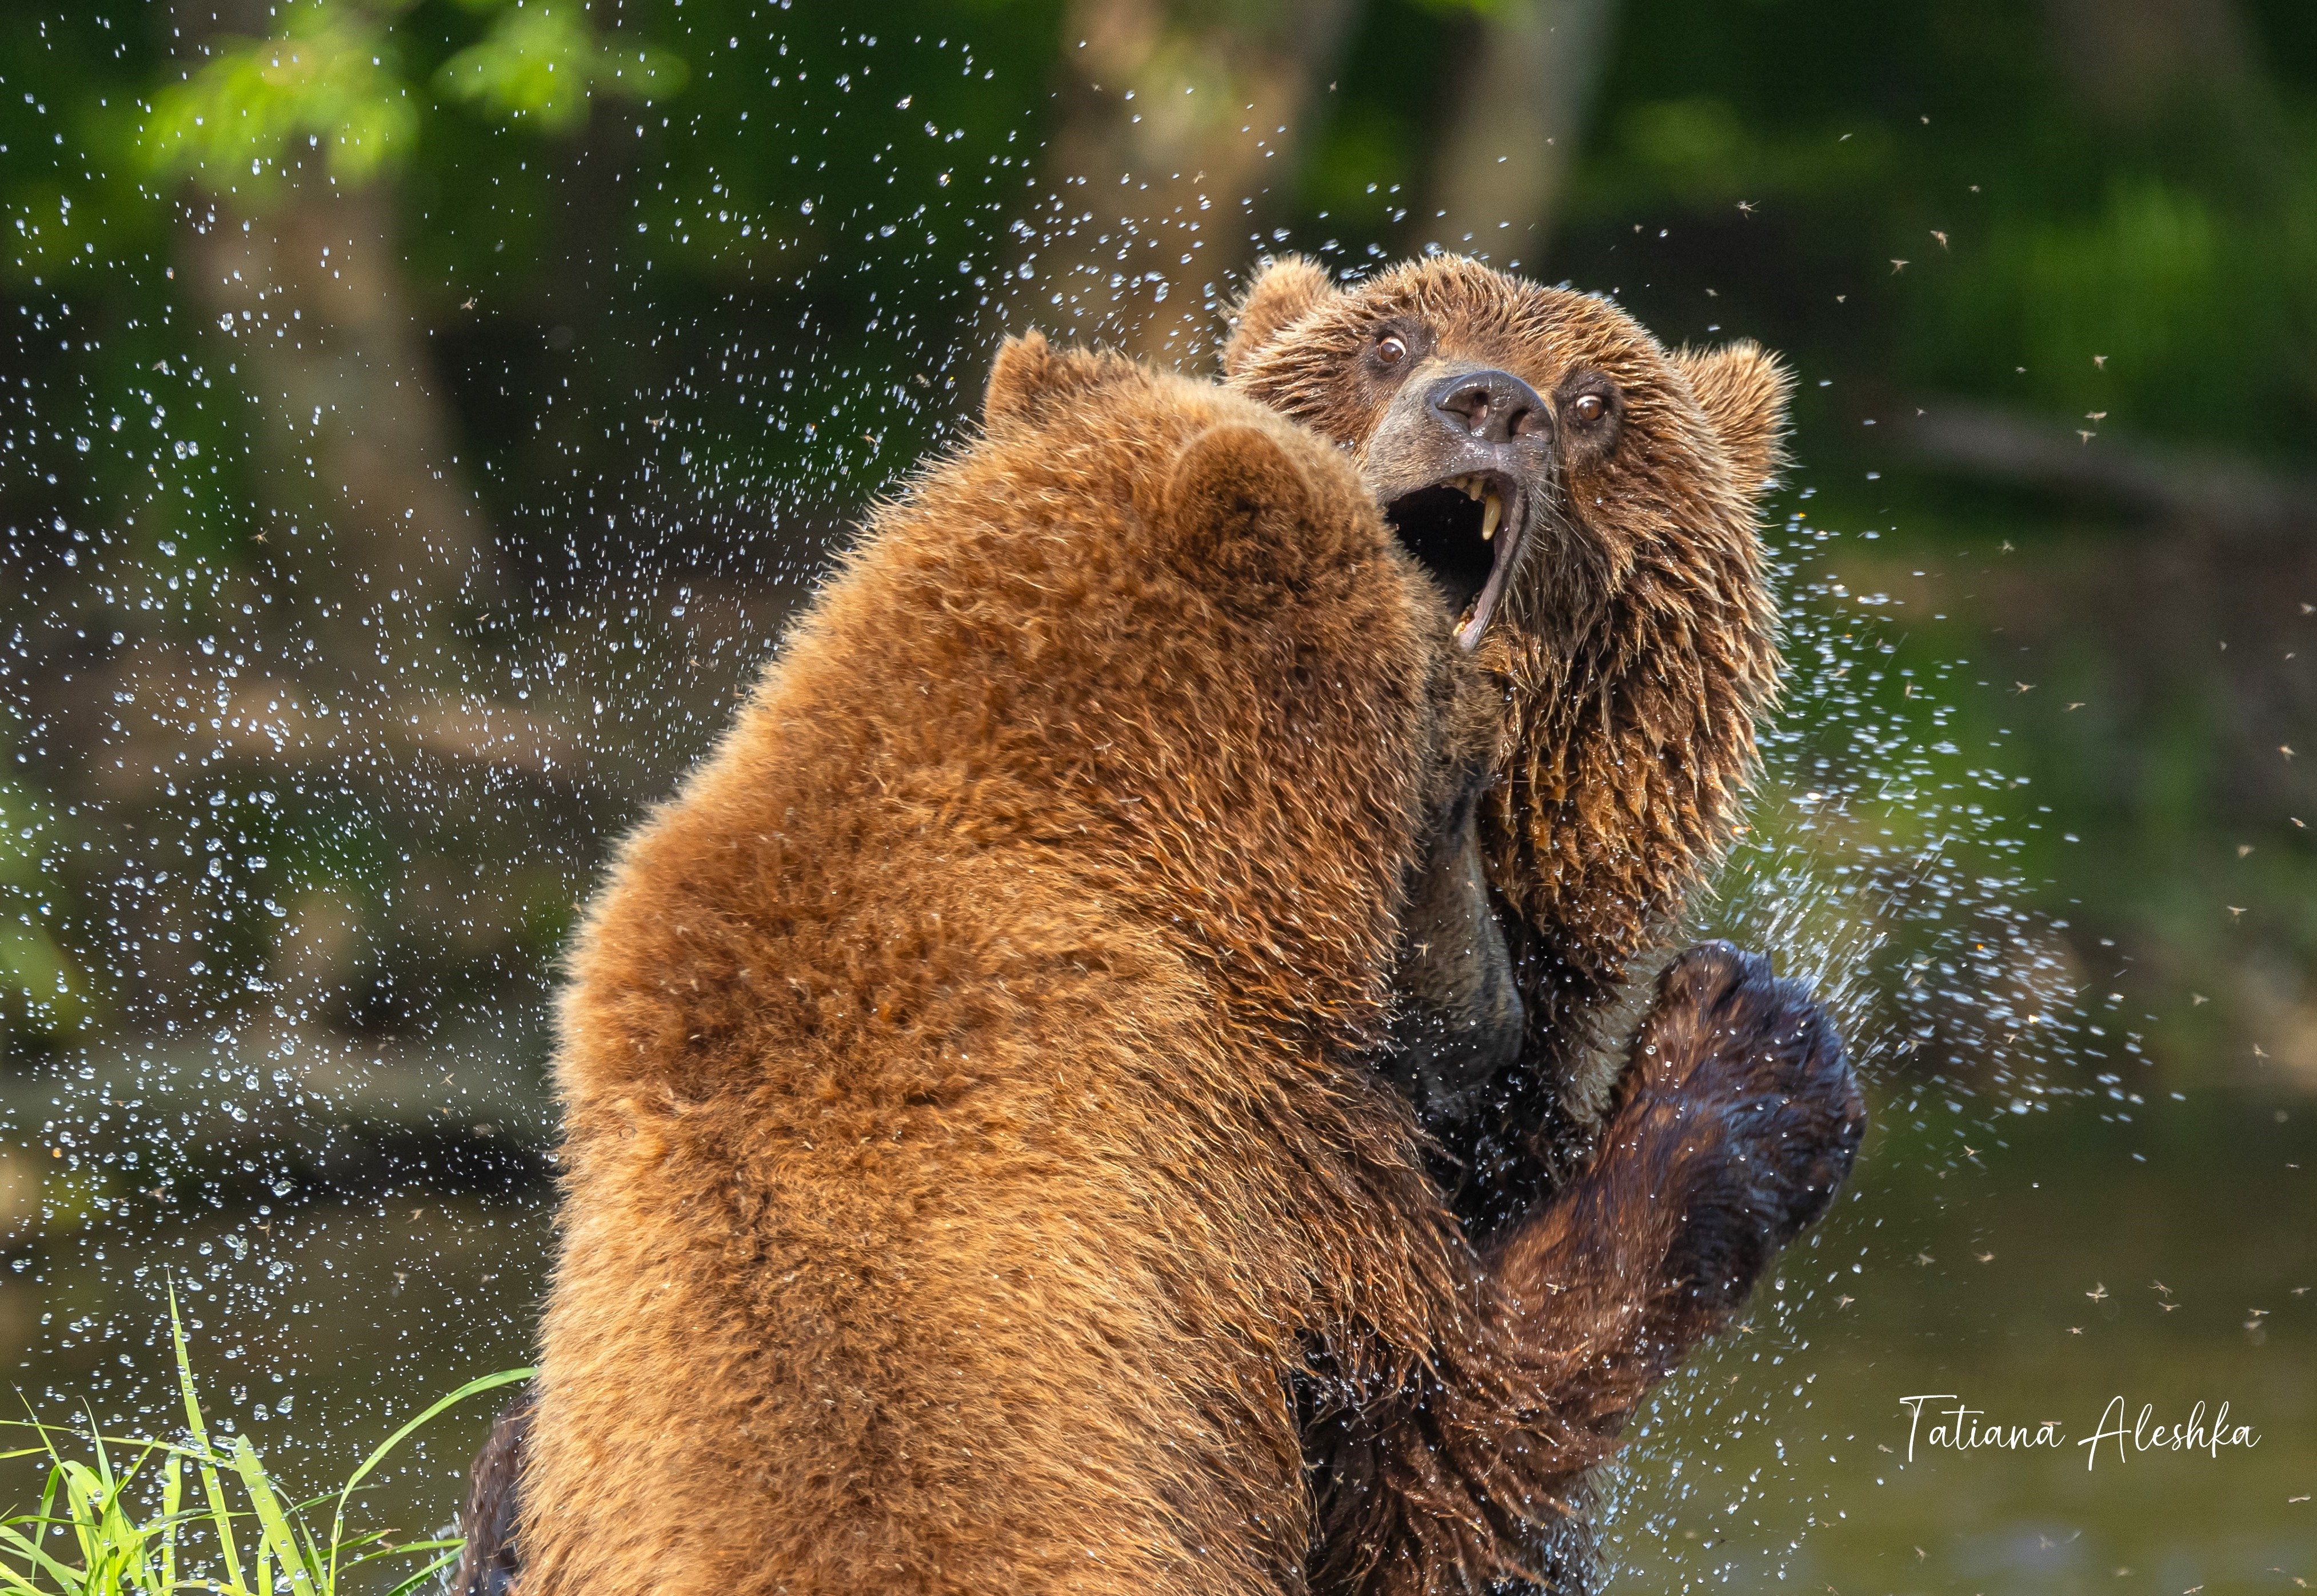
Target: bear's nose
x,y
1491,407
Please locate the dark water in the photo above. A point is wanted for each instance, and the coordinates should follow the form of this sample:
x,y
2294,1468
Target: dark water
x,y
2023,1279
2027,1282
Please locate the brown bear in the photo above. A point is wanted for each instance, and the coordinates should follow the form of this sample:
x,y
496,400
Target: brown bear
x,y
1551,464
984,1168
1548,461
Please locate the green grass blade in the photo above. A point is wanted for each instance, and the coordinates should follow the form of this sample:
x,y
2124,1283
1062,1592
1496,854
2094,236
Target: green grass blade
x,y
404,1549
96,1440
122,1550
206,1458
67,1579
55,1477
489,1382
84,1493
276,1529
127,1557
173,1497
475,1387
427,1572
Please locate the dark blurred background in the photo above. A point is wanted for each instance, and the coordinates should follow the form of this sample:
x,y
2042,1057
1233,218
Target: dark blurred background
x,y
418,417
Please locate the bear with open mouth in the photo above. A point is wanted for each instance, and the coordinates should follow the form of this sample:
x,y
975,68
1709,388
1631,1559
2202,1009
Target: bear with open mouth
x,y
1585,501
984,1171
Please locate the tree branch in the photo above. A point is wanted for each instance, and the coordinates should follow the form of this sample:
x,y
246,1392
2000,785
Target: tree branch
x,y
2191,487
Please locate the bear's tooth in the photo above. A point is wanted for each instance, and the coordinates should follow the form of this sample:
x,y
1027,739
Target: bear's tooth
x,y
1474,487
1492,512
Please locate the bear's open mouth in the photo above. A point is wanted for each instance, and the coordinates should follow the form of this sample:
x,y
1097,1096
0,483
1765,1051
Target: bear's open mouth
x,y
1465,532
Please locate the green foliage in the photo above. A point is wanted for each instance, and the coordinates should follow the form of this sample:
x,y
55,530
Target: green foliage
x,y
124,1511
1361,166
2199,307
334,78
331,78
540,63
2040,225
41,989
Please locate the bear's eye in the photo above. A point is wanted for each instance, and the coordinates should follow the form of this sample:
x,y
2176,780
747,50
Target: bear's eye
x,y
1589,408
1391,349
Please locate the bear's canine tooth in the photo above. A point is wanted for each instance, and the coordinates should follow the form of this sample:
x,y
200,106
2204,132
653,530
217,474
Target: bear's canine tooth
x,y
1492,512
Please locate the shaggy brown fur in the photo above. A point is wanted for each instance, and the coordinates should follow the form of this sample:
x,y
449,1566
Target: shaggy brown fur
x,y
1729,1137
1634,645
974,1177
1636,648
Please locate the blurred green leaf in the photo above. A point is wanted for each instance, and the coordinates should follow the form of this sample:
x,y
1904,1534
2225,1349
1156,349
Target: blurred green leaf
x,y
41,989
334,78
544,65
331,77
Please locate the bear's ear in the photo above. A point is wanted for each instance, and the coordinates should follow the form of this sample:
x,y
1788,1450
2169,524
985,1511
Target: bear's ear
x,y
1743,390
1239,508
1283,290
1030,374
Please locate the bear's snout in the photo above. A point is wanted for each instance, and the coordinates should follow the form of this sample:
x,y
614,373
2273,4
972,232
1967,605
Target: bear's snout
x,y
1489,408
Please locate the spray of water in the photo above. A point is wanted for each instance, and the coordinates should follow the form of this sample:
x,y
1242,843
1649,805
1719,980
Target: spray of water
x,y
295,829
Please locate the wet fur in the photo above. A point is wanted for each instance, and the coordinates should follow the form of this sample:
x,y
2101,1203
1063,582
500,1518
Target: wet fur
x,y
1636,655
968,1125
490,1559
978,1176
1468,1470
1654,1246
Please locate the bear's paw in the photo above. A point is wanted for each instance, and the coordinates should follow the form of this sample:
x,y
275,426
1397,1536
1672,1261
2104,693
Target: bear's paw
x,y
1741,1094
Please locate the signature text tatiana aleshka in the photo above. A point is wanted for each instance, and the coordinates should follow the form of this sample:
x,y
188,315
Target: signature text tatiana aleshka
x,y
1957,1428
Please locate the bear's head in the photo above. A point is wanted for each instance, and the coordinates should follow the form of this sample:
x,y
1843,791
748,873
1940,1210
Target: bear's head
x,y
1585,499
1249,508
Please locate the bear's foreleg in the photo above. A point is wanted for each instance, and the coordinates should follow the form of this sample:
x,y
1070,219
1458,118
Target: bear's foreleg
x,y
488,1561
1737,1122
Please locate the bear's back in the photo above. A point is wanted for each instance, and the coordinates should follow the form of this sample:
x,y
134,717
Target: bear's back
x,y
962,1050
1024,728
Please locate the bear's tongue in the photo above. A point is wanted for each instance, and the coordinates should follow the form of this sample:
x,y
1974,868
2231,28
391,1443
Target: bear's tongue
x,y
1450,529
